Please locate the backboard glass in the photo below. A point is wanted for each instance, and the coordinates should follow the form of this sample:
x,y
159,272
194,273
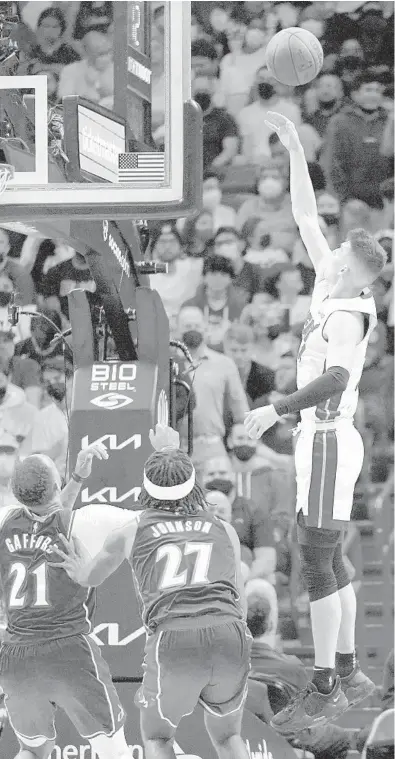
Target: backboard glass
x,y
124,91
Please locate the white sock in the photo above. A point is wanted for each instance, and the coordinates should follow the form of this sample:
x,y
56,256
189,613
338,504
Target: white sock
x,y
346,639
325,624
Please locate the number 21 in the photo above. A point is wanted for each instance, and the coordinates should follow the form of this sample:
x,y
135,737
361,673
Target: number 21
x,y
171,577
19,570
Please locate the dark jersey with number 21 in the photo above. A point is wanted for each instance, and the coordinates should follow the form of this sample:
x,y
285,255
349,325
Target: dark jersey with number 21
x,y
41,602
183,566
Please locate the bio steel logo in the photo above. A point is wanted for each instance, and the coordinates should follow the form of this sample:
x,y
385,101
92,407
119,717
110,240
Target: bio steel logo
x,y
109,495
120,255
116,378
112,401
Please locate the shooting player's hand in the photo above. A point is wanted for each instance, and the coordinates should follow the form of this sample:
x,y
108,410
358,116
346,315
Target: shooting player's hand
x,y
164,437
75,559
85,458
284,128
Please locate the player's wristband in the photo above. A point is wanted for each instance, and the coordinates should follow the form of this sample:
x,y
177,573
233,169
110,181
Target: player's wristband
x,y
77,478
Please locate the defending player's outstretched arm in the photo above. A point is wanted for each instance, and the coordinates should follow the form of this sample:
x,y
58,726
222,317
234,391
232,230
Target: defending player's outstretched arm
x,y
343,331
91,573
304,206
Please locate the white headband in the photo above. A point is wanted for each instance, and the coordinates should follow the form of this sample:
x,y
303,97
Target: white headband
x,y
173,493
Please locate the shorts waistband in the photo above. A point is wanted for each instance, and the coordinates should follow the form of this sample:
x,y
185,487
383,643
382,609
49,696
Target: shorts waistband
x,y
330,426
188,623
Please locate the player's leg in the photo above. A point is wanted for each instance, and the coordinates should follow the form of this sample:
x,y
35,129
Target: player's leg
x,y
176,668
82,686
355,684
225,734
223,697
30,712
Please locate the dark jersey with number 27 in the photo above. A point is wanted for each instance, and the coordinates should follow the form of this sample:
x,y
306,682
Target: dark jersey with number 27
x,y
183,567
41,602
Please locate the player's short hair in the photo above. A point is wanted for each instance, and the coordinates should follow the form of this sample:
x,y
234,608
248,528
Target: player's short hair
x,y
32,481
168,468
239,333
367,251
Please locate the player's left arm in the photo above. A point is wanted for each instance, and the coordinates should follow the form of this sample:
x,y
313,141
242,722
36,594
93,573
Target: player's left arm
x,y
117,547
343,332
82,471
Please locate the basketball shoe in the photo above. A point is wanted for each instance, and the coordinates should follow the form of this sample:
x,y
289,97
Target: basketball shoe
x,y
310,708
357,686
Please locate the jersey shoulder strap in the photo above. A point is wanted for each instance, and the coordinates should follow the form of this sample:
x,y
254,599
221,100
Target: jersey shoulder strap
x,y
7,514
363,304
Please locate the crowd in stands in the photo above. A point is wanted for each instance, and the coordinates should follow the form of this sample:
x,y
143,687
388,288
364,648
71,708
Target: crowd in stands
x,y
239,280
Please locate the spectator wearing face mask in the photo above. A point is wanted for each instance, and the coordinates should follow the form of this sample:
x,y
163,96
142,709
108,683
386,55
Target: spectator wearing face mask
x,y
17,415
197,233
289,287
265,317
49,433
222,215
216,379
22,372
351,159
254,131
93,76
251,522
350,64
376,36
259,249
220,131
184,272
271,204
261,477
39,346
280,439
218,504
329,99
21,280
65,277
216,297
238,68
248,278
257,380
8,456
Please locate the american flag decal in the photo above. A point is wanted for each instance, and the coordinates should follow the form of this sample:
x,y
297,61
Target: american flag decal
x,y
141,167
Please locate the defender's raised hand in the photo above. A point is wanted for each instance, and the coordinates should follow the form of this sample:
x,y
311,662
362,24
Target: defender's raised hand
x,y
83,466
285,129
164,437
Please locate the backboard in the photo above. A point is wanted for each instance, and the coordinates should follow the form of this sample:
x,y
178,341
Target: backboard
x,y
111,132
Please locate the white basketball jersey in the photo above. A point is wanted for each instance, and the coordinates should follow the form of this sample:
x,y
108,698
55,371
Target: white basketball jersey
x,y
313,352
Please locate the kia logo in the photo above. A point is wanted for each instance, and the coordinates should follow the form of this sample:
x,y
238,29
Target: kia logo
x,y
105,230
112,401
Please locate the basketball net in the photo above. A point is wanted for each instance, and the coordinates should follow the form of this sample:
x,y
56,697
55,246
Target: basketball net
x,y
6,173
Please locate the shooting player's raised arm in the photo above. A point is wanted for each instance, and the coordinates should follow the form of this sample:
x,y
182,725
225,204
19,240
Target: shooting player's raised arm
x,y
304,206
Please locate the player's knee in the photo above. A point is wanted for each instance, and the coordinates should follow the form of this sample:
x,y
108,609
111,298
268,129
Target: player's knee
x,y
33,750
222,729
317,571
339,569
111,746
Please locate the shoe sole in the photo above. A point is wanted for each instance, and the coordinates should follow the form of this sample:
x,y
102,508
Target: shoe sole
x,y
338,710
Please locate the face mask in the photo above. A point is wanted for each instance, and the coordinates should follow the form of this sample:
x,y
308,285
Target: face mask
x,y
254,38
56,390
327,104
192,338
330,219
244,452
5,298
266,90
203,99
221,484
3,391
211,198
270,187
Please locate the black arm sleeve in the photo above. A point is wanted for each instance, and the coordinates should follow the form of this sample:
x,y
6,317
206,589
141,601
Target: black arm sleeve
x,y
333,381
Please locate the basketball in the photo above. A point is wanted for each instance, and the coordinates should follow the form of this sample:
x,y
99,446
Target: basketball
x,y
294,56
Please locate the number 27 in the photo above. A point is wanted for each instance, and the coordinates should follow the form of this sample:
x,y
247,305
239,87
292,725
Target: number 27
x,y
171,577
